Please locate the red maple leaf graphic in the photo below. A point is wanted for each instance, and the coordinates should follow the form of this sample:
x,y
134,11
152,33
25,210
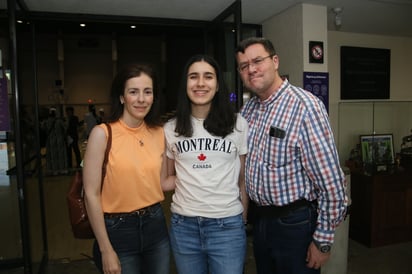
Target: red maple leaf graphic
x,y
201,157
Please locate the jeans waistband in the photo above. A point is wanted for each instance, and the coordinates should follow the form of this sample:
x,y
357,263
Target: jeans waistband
x,y
280,211
140,212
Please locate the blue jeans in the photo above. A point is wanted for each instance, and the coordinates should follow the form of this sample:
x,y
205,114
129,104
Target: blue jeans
x,y
280,244
207,245
141,243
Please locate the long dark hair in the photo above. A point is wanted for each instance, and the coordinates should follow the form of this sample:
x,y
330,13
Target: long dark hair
x,y
221,118
152,119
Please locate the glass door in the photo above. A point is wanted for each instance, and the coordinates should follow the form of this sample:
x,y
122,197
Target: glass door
x,y
222,37
22,233
220,42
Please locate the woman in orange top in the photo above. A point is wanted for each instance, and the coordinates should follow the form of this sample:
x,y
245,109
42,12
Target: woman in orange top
x,y
126,215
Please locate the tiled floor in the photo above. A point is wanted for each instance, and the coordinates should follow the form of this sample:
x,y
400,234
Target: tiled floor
x,y
67,255
393,259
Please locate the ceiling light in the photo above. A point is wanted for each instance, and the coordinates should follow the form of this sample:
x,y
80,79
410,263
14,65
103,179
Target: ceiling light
x,y
82,25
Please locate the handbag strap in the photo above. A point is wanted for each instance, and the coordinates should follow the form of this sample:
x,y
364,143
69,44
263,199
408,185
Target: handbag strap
x,y
108,147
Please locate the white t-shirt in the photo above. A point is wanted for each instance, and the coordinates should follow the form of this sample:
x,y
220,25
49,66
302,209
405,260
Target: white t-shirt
x,y
207,169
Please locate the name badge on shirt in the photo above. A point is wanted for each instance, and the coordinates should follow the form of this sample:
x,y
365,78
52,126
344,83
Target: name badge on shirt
x,y
277,132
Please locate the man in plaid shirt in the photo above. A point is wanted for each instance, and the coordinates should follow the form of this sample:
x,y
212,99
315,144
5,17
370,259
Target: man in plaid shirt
x,y
293,176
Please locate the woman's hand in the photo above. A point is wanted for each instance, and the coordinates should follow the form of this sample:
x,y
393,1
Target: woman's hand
x,y
111,263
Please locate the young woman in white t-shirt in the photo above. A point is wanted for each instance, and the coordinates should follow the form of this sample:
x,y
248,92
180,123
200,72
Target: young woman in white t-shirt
x,y
206,148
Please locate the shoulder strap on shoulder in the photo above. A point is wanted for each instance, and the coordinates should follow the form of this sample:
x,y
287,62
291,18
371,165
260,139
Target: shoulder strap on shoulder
x,y
109,141
108,147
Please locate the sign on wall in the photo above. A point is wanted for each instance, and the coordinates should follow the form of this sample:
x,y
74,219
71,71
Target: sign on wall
x,y
316,52
318,84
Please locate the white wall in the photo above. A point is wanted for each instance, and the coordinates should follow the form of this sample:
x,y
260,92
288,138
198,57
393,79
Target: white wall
x,y
357,118
289,35
314,29
286,33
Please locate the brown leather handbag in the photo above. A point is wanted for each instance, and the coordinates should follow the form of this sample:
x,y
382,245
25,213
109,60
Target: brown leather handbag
x,y
75,198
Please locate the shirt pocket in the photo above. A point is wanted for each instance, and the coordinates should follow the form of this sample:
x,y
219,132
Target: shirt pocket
x,y
281,152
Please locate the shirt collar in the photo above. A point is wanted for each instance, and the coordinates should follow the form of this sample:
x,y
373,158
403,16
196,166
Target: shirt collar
x,y
274,96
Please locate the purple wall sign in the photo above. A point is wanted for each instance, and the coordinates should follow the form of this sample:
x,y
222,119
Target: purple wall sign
x,y
318,84
4,103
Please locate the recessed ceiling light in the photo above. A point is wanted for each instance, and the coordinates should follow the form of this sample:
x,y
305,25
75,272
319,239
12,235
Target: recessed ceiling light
x,y
82,25
132,26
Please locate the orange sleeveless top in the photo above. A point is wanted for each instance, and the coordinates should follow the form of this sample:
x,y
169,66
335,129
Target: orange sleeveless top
x,y
132,178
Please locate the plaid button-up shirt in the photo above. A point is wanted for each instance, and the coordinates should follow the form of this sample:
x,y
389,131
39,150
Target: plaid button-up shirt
x,y
292,156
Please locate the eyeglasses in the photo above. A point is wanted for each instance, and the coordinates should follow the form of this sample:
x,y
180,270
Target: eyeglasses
x,y
255,62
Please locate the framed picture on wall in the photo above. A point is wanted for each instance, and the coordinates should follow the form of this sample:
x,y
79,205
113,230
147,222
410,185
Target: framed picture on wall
x,y
377,150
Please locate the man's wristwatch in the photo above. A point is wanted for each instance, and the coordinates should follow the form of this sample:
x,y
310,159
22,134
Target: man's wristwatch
x,y
323,247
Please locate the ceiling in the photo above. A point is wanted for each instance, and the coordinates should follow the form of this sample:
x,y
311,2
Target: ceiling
x,y
382,17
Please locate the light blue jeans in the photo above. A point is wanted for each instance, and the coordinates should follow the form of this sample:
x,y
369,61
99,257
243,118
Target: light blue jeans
x,y
207,245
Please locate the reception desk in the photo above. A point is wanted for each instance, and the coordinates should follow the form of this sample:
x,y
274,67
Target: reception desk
x,y
381,210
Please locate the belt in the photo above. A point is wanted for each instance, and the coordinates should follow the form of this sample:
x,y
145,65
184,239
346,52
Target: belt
x,y
279,211
140,212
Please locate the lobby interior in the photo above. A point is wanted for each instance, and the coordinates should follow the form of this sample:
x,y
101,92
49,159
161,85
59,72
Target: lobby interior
x,y
84,61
